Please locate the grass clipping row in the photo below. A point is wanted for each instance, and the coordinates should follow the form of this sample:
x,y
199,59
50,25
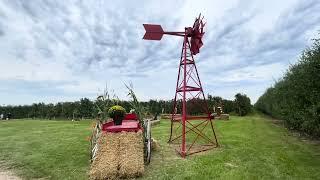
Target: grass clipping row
x,y
120,155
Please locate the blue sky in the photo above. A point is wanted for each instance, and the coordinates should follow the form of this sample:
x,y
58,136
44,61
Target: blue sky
x,y
54,51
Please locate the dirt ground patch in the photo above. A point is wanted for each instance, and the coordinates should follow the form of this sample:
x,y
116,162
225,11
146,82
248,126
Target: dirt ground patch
x,y
7,175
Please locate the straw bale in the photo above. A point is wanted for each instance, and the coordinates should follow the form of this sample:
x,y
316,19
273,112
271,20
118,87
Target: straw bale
x,y
224,116
154,145
120,155
131,156
105,165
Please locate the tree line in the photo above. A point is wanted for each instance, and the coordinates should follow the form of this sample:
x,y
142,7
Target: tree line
x,y
295,98
86,108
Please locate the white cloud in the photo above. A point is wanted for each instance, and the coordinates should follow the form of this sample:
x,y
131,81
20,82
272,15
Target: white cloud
x,y
63,50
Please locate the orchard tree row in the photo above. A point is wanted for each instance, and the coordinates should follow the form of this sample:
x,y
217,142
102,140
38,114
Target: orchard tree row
x,y
86,108
296,97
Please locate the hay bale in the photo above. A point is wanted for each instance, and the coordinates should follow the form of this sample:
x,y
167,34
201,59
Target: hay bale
x,y
154,145
131,154
224,116
119,155
155,122
105,165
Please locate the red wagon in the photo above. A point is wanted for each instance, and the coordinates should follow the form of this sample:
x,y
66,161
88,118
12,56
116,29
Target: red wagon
x,y
131,123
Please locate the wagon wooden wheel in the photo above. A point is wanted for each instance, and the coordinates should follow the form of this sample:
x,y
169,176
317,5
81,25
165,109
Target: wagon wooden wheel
x,y
96,131
147,143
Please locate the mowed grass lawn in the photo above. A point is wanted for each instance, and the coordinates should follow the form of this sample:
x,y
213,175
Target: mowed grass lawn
x,y
251,147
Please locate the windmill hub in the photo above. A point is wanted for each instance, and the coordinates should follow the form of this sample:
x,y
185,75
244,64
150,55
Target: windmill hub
x,y
189,31
190,113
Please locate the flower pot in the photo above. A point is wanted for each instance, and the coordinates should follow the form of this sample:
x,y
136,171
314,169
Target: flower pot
x,y
117,120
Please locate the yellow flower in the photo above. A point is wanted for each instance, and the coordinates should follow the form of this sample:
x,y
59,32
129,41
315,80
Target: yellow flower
x,y
116,110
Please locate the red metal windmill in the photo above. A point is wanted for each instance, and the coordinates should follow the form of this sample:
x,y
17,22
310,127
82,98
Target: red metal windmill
x,y
188,126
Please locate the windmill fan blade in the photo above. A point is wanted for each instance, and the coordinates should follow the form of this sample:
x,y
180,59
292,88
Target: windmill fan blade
x,y
196,44
153,32
194,24
197,33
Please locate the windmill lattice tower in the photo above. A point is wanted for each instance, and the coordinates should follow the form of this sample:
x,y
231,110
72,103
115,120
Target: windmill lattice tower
x,y
192,128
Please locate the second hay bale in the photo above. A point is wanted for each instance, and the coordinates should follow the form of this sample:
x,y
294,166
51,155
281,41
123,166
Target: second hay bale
x,y
131,154
224,116
119,155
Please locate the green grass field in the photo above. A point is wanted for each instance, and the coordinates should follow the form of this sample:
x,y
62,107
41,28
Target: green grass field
x,y
252,147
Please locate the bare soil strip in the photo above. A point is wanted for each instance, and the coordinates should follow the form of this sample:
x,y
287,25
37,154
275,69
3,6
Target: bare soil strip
x,y
7,175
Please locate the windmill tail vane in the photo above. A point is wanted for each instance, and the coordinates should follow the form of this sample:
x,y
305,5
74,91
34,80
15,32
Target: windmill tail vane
x,y
192,128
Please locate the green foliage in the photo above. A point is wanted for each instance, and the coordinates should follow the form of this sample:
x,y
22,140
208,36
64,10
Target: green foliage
x,y
103,103
116,111
228,106
139,109
86,108
296,97
242,104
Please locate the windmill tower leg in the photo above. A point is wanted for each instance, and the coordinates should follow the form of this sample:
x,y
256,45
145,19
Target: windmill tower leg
x,y
175,116
184,105
174,107
189,89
